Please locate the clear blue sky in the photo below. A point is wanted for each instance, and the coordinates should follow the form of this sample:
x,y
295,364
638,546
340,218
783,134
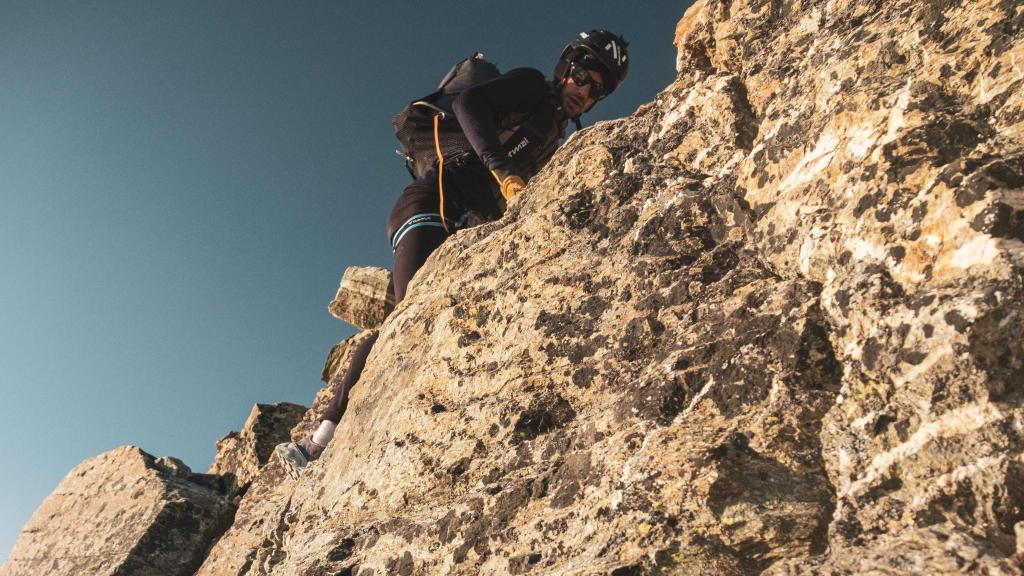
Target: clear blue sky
x,y
182,185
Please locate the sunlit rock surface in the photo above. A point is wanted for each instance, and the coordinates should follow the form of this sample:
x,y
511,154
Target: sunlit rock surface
x,y
123,512
888,167
365,297
771,323
240,455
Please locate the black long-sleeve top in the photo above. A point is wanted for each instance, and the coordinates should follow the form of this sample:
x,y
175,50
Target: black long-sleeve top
x,y
513,122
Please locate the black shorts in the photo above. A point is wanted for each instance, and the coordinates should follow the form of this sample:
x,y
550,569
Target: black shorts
x,y
470,197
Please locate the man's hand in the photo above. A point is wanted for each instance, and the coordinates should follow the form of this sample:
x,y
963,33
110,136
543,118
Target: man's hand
x,y
510,184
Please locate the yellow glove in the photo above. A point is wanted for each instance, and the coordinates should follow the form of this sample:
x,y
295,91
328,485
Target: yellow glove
x,y
510,185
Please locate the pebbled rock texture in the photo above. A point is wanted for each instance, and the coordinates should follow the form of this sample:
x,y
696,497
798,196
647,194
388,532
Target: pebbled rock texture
x,y
123,512
771,323
240,455
890,170
365,297
335,366
253,544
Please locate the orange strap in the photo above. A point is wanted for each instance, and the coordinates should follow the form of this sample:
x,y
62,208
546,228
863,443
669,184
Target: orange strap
x,y
440,169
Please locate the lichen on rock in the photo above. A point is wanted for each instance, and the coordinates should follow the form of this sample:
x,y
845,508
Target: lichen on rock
x,y
240,455
769,323
365,297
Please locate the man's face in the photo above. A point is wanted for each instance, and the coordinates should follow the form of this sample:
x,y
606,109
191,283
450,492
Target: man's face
x,y
576,98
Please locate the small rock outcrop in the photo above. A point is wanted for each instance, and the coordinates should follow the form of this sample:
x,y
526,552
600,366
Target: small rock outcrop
x,y
365,297
770,323
240,455
123,512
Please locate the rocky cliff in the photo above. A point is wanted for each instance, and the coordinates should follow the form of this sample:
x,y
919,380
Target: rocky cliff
x,y
769,323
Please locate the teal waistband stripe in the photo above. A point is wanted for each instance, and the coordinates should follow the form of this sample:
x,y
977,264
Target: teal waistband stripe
x,y
425,219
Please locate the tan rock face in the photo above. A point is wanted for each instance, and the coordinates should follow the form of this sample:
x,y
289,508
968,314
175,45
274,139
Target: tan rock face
x,y
122,513
365,297
242,454
253,544
568,398
769,324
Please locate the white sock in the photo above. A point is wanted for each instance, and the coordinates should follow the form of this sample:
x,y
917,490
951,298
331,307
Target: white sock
x,y
324,433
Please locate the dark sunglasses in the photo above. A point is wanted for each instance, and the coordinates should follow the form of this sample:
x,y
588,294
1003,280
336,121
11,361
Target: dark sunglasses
x,y
581,76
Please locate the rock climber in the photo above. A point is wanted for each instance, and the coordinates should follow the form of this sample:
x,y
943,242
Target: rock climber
x,y
514,124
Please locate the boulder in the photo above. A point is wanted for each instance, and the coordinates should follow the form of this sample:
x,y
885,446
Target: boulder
x,y
365,297
122,512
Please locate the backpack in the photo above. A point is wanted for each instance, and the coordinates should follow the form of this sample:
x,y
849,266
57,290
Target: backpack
x,y
415,124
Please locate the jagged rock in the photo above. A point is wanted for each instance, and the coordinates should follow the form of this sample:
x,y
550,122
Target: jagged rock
x,y
263,514
365,297
174,466
938,549
605,404
262,520
242,454
121,512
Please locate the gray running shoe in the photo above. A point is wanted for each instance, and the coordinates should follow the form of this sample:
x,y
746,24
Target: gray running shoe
x,y
292,456
311,449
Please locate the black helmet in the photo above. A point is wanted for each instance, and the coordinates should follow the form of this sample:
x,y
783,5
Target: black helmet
x,y
600,50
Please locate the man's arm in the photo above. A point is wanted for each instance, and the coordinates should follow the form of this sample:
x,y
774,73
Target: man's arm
x,y
477,110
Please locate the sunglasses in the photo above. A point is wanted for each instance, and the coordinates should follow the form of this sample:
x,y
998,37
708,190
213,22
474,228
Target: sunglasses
x,y
581,76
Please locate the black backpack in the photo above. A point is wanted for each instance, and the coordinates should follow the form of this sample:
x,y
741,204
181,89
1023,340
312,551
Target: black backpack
x,y
414,125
